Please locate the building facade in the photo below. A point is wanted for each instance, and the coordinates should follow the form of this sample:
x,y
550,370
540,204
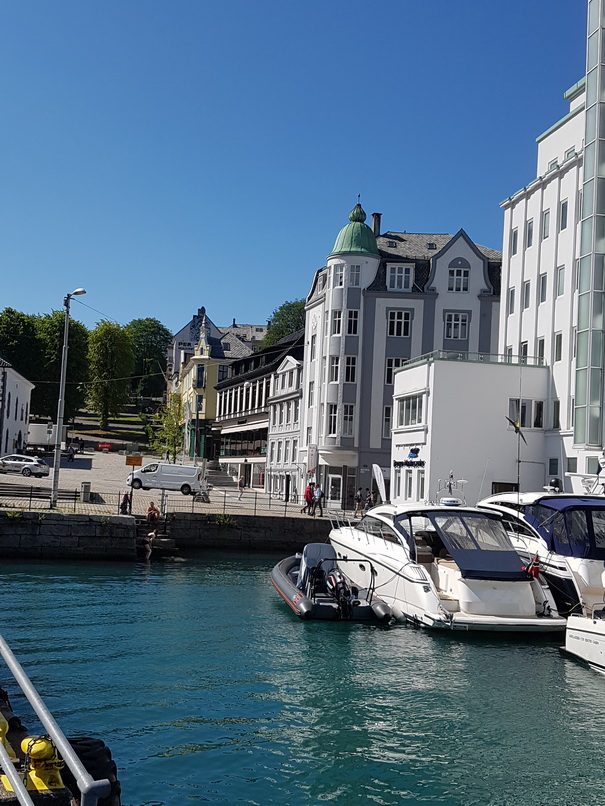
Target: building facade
x,y
15,394
284,472
381,300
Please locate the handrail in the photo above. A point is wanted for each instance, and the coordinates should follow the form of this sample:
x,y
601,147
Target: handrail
x,y
91,790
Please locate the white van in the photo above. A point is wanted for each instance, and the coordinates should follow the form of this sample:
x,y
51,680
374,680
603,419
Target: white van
x,y
185,478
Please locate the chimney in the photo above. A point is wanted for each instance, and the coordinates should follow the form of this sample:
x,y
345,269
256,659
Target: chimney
x,y
233,325
376,223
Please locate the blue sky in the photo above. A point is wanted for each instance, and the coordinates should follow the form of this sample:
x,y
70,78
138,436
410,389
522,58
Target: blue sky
x,y
169,155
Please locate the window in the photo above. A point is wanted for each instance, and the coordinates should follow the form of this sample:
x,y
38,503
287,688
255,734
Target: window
x,y
287,451
572,464
408,485
336,322
523,352
556,415
514,241
272,453
545,224
526,294
354,275
334,368
313,346
571,152
295,411
352,322
199,403
528,413
290,378
543,286
553,164
399,323
338,275
458,279
560,281
392,364
540,349
387,422
529,233
332,419
409,410
350,369
400,278
553,467
223,371
509,354
294,450
200,375
456,325
311,394
563,215
511,301
281,413
347,420
279,450
558,347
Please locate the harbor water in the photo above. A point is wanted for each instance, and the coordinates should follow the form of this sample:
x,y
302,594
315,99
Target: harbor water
x,y
208,690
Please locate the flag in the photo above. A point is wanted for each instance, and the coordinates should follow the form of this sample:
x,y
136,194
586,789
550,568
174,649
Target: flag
x,y
533,569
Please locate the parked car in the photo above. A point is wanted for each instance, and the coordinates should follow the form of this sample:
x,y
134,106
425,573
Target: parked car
x,y
26,465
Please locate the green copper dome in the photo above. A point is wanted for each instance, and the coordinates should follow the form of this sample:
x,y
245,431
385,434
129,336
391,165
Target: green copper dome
x,y
356,238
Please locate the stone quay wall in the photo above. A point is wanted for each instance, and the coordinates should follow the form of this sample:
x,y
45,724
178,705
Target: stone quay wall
x,y
54,535
193,533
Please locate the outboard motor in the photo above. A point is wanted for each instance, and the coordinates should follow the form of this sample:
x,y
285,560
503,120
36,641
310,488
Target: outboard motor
x,y
337,587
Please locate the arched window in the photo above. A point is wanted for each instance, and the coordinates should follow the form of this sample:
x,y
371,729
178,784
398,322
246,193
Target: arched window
x,y
458,275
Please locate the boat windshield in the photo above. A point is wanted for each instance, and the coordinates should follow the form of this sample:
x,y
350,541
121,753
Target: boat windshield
x,y
572,527
478,543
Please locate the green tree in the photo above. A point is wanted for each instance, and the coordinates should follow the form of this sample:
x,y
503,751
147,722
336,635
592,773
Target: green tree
x,y
168,432
150,340
19,342
50,328
286,319
110,364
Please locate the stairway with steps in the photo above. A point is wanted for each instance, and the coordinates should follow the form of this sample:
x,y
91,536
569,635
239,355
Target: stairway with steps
x,y
163,544
218,476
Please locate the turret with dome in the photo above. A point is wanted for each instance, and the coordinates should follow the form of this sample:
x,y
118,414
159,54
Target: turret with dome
x,y
355,238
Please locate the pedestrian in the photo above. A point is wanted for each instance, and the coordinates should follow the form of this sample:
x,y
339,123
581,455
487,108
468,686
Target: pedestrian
x,y
124,505
358,498
368,499
309,498
70,453
318,495
81,445
241,484
153,514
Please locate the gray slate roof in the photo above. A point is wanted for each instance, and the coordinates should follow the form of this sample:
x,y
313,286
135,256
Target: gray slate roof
x,y
414,245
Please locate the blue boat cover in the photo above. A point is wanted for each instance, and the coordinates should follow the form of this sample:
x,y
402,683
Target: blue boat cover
x,y
572,527
476,541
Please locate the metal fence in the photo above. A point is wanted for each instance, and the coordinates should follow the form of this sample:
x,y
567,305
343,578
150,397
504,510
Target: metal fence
x,y
218,501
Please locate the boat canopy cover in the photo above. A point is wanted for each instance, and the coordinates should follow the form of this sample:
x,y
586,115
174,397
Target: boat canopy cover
x,y
477,542
572,527
314,555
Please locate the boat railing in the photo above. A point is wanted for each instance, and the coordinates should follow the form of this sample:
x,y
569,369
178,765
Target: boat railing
x,y
90,789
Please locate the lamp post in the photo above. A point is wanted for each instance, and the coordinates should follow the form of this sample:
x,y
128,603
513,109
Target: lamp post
x,y
61,406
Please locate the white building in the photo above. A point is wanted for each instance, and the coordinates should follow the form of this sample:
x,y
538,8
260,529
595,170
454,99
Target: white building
x,y
552,314
15,394
284,472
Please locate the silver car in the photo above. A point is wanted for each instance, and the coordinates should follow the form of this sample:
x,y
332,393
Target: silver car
x,y
26,465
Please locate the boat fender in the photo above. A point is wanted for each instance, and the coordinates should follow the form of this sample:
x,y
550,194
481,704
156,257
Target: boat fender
x,y
305,607
382,612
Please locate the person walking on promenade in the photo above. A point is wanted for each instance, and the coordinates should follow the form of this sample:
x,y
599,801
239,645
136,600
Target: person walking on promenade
x,y
70,453
358,503
368,499
318,495
241,484
308,507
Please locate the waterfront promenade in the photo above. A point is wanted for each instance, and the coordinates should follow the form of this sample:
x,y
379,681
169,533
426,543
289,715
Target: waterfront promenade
x,y
107,472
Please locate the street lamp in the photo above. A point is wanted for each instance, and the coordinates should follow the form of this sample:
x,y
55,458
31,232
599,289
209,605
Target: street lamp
x,y
57,460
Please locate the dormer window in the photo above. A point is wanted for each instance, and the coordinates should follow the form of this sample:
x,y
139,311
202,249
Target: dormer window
x,y
391,244
458,277
400,278
431,245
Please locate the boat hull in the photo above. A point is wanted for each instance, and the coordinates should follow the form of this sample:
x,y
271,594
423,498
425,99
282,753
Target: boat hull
x,y
585,639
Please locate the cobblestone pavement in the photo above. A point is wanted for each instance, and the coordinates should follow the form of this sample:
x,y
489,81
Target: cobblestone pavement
x,y
107,473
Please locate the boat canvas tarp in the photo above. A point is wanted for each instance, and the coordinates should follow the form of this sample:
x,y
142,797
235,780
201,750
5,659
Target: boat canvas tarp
x,y
572,527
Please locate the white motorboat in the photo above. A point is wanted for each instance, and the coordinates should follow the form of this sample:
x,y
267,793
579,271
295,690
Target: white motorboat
x,y
565,533
585,639
448,567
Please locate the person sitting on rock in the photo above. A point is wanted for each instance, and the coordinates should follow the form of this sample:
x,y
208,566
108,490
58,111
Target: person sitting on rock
x,y
153,513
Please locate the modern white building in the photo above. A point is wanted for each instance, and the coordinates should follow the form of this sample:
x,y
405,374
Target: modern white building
x,y
552,314
15,394
379,301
